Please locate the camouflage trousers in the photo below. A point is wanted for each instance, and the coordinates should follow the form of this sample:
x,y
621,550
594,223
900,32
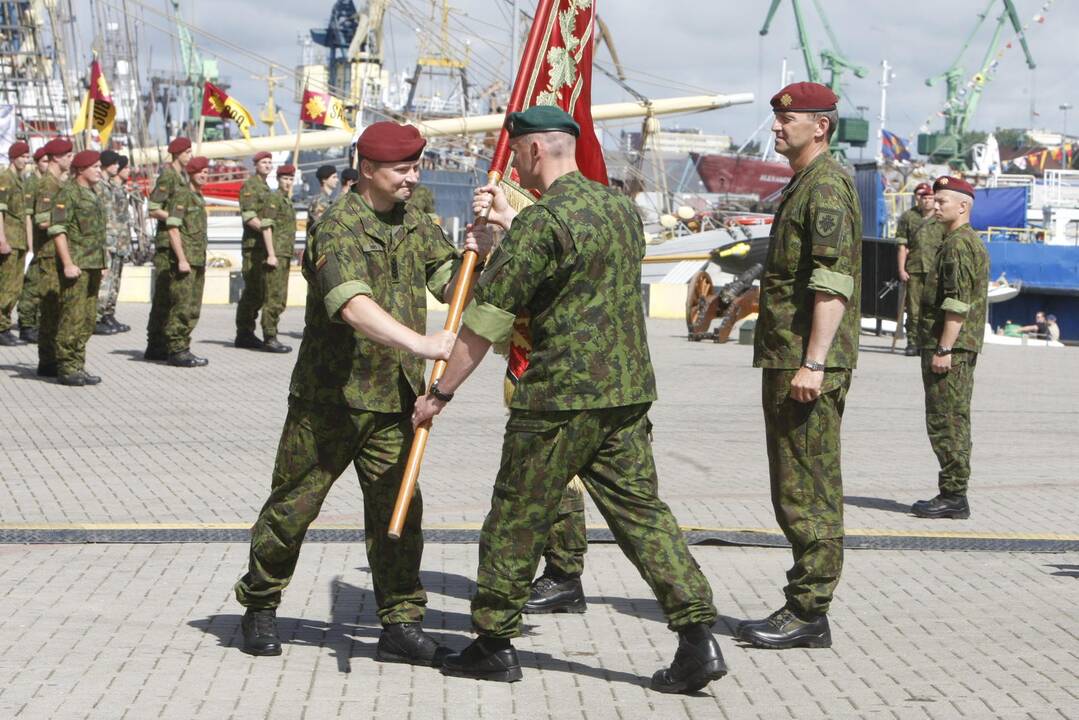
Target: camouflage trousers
x,y
30,299
913,305
253,295
317,444
609,450
807,484
276,297
947,418
159,301
78,311
184,307
48,310
110,285
11,278
567,541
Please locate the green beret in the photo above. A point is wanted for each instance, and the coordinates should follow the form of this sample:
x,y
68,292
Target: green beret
x,y
541,118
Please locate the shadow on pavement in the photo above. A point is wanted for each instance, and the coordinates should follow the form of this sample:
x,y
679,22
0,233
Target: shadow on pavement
x,y
870,503
1066,570
23,372
648,609
448,584
134,355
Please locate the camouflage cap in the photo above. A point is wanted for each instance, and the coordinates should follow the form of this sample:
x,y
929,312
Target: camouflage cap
x,y
541,118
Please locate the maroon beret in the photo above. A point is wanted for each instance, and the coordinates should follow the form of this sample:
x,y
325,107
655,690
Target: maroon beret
x,y
923,189
57,147
197,164
39,153
804,97
286,171
955,184
179,145
389,142
17,149
261,155
85,159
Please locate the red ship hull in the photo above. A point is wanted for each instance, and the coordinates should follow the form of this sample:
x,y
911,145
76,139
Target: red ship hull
x,y
742,175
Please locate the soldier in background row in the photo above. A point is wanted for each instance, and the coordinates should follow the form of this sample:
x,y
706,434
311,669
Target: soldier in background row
x,y
60,154
327,180
118,233
259,256
283,214
187,264
78,229
169,182
806,341
29,299
14,242
954,303
918,235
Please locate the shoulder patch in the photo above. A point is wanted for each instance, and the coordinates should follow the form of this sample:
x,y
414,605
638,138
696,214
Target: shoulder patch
x,y
827,221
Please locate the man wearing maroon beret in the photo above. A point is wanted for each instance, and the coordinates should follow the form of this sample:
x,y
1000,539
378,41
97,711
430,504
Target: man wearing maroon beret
x,y
275,297
954,303
13,237
172,180
918,236
806,342
359,369
259,256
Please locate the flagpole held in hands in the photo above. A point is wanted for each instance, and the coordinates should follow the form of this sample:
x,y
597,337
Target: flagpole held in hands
x,y
461,291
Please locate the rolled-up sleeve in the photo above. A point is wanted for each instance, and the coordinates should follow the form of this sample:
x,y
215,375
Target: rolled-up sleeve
x,y
340,269
833,283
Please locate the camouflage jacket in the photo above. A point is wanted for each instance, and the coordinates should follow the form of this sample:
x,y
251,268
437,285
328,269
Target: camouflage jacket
x,y
816,246
168,183
283,213
572,263
187,213
423,200
922,236
45,193
13,206
255,201
317,210
959,284
118,209
79,213
393,259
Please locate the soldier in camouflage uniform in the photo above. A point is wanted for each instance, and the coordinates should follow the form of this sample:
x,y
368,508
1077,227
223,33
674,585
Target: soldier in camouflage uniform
x,y
29,299
572,261
918,235
327,178
359,369
171,180
424,201
283,215
118,232
954,305
259,256
78,229
806,341
13,239
59,151
187,264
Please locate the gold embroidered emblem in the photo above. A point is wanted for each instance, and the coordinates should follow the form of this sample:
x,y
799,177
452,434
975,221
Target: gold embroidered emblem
x,y
786,100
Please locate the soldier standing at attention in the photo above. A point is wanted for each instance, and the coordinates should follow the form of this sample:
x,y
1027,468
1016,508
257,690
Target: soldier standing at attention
x,y
349,177
59,151
259,257
169,182
806,341
953,325
187,264
573,260
327,179
118,233
358,370
918,235
13,237
30,299
78,230
424,201
283,215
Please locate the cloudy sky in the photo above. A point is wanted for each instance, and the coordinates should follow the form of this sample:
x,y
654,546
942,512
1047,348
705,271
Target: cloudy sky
x,y
688,47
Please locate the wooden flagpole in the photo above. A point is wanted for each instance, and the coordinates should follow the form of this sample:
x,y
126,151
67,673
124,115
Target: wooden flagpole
x,y
499,162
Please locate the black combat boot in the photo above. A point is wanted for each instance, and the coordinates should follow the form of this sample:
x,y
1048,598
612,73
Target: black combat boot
x,y
104,327
184,358
783,629
260,632
28,334
943,506
697,662
118,326
408,643
550,594
271,344
247,341
487,658
79,378
153,353
8,339
47,370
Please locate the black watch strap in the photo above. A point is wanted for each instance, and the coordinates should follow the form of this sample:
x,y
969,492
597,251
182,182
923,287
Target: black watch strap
x,y
444,397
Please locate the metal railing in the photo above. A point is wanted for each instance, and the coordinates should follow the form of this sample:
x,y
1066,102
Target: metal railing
x,y
1010,234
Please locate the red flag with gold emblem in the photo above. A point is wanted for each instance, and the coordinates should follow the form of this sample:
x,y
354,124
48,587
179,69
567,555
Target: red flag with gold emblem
x,y
104,110
319,108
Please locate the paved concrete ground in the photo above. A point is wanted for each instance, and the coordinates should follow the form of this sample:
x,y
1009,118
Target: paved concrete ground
x,y
109,631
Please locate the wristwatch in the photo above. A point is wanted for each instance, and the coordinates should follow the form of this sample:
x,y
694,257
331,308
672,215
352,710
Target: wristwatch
x,y
814,366
941,351
444,397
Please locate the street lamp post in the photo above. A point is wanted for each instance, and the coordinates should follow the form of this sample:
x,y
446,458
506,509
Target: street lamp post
x,y
1065,107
